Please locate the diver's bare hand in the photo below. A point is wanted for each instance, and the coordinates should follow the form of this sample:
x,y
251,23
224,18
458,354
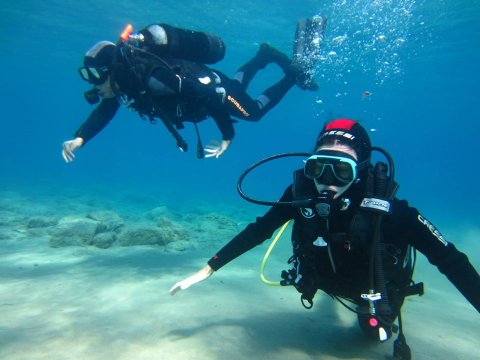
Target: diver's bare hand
x,y
201,275
69,148
216,150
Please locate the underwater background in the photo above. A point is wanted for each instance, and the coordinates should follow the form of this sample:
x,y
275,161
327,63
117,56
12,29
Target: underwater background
x,y
408,70
423,78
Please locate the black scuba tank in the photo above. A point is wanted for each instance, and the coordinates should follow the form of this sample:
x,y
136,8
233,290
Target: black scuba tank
x,y
167,41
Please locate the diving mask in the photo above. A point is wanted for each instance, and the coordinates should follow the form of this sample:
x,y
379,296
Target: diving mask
x,y
94,75
330,167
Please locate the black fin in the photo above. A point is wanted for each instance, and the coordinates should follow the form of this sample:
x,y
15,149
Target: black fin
x,y
306,49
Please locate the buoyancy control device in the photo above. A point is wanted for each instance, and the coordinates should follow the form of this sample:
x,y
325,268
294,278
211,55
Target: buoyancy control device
x,y
380,191
159,43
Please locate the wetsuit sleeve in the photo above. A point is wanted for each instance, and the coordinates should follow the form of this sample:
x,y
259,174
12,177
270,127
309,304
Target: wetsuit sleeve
x,y
255,233
217,110
98,119
451,262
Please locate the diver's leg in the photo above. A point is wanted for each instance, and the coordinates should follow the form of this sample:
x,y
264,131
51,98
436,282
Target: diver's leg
x,y
272,96
241,105
265,55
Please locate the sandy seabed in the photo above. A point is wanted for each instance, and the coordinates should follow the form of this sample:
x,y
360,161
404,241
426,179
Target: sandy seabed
x,y
90,303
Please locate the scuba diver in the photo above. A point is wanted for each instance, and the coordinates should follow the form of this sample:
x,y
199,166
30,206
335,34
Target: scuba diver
x,y
351,237
160,73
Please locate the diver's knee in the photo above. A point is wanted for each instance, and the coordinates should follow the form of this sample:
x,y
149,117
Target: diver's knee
x,y
255,116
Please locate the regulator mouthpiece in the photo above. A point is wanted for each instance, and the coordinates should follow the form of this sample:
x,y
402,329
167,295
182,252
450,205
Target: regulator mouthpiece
x,y
92,96
324,203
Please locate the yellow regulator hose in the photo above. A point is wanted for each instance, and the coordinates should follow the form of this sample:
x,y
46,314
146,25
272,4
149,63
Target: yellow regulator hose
x,y
267,254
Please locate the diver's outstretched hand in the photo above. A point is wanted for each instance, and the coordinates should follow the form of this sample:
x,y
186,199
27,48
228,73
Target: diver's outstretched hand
x,y
216,150
69,148
203,274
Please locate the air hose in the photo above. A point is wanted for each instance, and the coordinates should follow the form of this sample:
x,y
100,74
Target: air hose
x,y
267,254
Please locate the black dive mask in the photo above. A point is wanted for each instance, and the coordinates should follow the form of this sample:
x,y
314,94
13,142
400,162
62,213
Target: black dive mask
x,y
94,75
92,96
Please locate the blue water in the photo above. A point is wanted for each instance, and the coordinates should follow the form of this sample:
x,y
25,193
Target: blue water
x,y
418,59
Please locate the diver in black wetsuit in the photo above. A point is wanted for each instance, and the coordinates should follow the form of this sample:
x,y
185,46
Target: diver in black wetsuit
x,y
160,73
336,209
